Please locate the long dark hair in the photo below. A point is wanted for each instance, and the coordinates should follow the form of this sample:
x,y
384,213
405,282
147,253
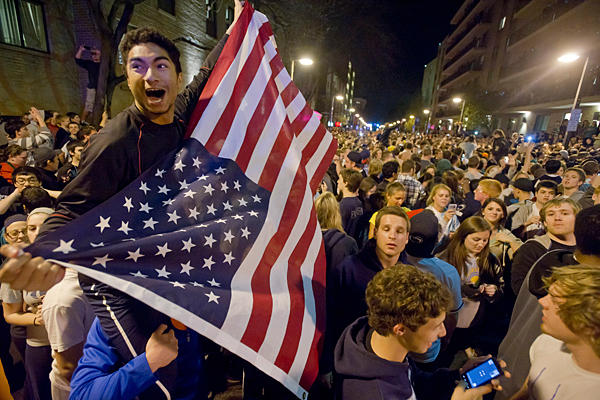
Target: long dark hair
x,y
456,252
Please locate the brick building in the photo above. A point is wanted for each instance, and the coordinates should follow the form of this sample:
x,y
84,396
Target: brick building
x,y
38,45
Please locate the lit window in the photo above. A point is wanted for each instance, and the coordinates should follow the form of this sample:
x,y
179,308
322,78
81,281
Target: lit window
x,y
22,24
229,14
502,23
167,6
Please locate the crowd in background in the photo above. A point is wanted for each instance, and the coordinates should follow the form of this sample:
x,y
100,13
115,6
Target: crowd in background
x,y
486,217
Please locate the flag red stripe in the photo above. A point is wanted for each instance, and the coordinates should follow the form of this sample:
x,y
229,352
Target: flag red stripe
x,y
289,93
262,304
243,82
311,368
315,181
225,60
293,332
272,168
302,119
259,118
314,142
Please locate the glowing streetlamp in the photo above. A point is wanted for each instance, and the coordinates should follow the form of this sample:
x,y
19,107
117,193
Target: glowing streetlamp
x,y
569,58
303,61
338,97
457,100
428,113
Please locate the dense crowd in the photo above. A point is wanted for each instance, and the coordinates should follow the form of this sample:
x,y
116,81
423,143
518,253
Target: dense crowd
x,y
441,249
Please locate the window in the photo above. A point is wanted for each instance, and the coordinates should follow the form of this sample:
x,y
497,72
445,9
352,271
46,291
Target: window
x,y
22,23
167,6
229,14
211,18
502,23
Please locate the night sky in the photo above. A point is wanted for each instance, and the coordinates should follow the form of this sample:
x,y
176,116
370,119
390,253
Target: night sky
x,y
389,76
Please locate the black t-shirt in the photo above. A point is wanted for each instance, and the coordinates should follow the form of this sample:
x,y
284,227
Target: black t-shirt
x,y
352,210
93,69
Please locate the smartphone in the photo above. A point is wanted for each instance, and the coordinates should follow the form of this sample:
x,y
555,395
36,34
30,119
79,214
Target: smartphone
x,y
482,373
505,159
452,207
88,48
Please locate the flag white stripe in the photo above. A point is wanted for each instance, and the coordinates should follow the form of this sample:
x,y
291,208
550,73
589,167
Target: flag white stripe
x,y
279,288
313,163
241,290
282,80
295,107
265,143
308,132
248,106
308,322
222,95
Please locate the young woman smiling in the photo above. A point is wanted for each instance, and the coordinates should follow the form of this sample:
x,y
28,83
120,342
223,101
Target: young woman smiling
x,y
502,242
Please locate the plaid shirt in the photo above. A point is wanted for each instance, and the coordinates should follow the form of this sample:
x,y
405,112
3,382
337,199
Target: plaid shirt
x,y
414,190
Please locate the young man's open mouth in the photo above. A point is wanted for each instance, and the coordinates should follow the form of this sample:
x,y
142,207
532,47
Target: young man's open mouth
x,y
155,96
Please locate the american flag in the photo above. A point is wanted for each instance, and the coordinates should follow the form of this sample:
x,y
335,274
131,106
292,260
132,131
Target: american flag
x,y
222,235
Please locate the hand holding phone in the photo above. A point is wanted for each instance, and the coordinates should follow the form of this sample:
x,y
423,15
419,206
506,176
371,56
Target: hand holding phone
x,y
482,373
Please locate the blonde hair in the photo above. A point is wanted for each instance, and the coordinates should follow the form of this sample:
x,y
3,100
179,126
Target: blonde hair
x,y
491,187
375,167
435,190
579,289
328,212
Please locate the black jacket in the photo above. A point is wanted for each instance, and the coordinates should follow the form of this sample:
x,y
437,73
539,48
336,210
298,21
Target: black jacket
x,y
127,146
361,374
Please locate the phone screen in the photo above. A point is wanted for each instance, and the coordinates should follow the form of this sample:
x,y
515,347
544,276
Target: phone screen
x,y
482,374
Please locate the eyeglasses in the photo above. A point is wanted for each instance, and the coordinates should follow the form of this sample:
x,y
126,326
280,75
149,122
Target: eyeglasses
x,y
14,233
33,180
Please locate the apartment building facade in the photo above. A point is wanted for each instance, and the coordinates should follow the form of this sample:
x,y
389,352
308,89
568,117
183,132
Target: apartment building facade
x,y
507,51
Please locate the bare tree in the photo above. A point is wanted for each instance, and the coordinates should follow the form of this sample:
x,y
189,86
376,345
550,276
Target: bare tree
x,y
111,26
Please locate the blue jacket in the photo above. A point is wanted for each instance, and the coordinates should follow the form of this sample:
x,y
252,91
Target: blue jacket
x,y
98,375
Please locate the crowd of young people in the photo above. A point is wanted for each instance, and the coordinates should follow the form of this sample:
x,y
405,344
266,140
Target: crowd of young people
x,y
438,248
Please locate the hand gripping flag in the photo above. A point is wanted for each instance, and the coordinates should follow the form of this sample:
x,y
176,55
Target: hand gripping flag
x,y
221,235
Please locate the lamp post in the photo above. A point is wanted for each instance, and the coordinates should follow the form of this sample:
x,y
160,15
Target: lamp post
x,y
569,58
457,100
339,97
303,61
428,113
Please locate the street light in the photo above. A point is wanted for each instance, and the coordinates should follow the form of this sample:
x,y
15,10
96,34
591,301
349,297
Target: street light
x,y
457,100
338,97
411,117
428,113
303,61
569,58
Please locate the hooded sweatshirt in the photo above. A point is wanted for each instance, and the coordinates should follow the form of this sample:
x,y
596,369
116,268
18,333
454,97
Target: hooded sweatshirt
x,y
361,374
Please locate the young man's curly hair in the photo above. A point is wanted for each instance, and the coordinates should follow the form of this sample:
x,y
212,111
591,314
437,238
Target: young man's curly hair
x,y
404,295
149,35
577,288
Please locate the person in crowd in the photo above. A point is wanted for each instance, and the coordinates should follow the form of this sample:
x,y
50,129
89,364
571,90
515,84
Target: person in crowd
x,y
62,134
527,314
351,207
485,189
337,246
92,66
395,194
591,169
526,222
426,156
500,146
565,358
438,203
553,171
68,172
24,308
468,147
375,168
420,253
47,162
16,156
473,171
503,244
558,217
414,188
23,178
389,174
522,189
355,162
351,276
67,317
407,309
20,135
573,178
35,197
481,278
